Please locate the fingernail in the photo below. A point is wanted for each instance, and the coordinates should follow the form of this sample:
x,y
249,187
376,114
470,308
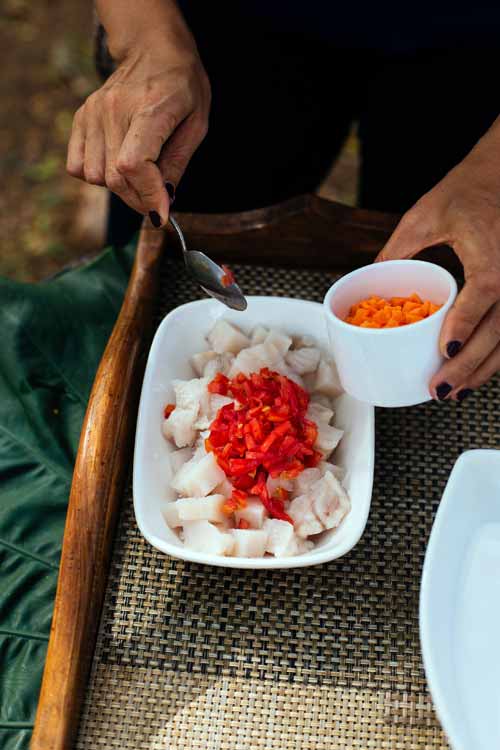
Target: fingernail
x,y
461,395
155,219
170,188
443,390
453,348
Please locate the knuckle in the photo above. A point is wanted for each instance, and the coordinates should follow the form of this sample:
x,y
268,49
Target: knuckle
x,y
148,193
411,219
127,164
464,319
111,97
115,181
469,365
94,175
74,168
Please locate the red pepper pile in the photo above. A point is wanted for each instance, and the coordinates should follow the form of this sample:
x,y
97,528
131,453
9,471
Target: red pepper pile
x,y
265,433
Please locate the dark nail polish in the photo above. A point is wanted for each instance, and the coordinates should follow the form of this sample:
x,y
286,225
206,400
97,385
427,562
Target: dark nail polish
x,y
155,219
443,390
461,395
170,188
453,348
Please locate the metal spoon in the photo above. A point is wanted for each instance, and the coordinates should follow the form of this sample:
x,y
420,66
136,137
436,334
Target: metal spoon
x,y
209,275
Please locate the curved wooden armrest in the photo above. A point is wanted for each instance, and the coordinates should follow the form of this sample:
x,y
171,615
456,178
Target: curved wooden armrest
x,y
307,231
98,483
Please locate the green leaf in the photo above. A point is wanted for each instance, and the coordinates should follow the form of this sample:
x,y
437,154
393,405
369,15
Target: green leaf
x,y
53,335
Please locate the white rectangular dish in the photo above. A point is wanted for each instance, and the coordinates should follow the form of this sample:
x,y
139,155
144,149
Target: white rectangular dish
x,y
460,604
181,334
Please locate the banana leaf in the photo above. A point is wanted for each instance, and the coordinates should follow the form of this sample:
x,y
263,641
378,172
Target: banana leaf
x,y
52,336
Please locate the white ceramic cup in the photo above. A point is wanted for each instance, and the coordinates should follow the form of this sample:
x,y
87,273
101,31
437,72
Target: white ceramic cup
x,y
388,366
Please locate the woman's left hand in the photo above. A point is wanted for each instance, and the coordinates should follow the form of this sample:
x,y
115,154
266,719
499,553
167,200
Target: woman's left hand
x,y
463,211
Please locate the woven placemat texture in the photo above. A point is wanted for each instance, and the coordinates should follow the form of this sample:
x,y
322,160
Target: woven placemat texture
x,y
322,658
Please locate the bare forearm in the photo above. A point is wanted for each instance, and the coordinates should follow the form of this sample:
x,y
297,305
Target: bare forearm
x,y
146,24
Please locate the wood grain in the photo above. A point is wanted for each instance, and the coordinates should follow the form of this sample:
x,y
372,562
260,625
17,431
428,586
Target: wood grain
x,y
307,231
103,459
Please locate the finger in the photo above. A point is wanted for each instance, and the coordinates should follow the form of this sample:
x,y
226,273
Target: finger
x,y
94,165
413,233
485,372
457,372
76,146
480,292
180,147
115,130
137,159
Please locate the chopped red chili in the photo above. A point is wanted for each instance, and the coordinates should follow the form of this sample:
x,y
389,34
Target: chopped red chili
x,y
228,277
168,410
264,433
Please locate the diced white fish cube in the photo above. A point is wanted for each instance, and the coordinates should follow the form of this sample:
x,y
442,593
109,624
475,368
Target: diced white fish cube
x,y
255,358
200,450
338,471
225,488
221,363
203,422
203,536
283,369
171,515
328,438
327,379
249,542
318,413
303,361
225,337
330,501
179,458
192,394
305,521
281,541
259,334
201,508
179,427
274,482
280,341
305,480
320,398
301,341
199,361
253,512
198,477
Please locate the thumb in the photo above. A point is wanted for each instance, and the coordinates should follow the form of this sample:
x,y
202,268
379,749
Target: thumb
x,y
410,237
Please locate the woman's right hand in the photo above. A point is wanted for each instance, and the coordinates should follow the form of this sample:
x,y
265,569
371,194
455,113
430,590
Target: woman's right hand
x,y
137,133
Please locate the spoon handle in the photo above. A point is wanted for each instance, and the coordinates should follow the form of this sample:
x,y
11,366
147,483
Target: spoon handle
x,y
179,233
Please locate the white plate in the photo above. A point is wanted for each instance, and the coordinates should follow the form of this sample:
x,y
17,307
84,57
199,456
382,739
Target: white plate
x,y
460,604
182,334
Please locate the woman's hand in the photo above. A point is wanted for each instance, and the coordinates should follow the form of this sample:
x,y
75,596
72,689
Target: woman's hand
x,y
463,211
137,133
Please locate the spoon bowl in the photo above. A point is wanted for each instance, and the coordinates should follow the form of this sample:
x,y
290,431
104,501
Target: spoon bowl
x,y
209,275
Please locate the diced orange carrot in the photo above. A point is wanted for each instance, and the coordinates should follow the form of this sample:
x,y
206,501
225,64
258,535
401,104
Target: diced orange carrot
x,y
377,312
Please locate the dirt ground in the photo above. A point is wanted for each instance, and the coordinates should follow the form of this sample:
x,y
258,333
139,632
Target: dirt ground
x,y
48,219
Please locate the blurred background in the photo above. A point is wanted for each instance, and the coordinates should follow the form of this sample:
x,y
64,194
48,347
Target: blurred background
x,y
48,219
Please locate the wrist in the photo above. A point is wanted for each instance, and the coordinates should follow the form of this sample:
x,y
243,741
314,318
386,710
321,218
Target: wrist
x,y
155,28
